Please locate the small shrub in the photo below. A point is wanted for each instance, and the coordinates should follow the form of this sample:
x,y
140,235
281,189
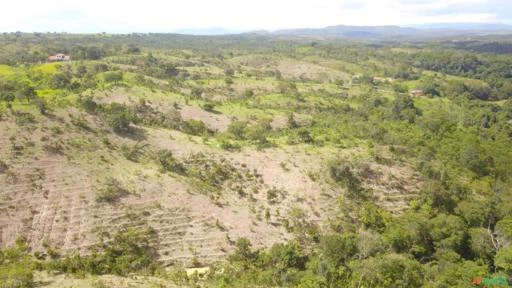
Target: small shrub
x,y
56,130
196,92
111,192
259,133
118,117
17,149
24,118
195,127
267,215
147,115
342,173
115,76
230,146
273,195
230,72
305,136
238,129
301,135
80,121
168,163
243,251
41,105
54,147
248,93
120,122
87,103
228,81
208,107
133,153
211,172
3,167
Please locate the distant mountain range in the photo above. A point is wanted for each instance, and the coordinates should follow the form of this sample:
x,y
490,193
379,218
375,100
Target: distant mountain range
x,y
371,32
465,26
393,32
343,31
208,31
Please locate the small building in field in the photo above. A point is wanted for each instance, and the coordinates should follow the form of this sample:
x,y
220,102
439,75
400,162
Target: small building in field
x,y
59,57
417,93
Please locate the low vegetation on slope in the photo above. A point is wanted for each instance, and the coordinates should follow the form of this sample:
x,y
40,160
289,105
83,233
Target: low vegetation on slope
x,y
256,163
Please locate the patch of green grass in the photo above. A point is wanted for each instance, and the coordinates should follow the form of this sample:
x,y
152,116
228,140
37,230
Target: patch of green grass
x,y
303,49
57,97
307,86
6,70
47,68
277,99
264,81
241,111
425,103
411,85
204,69
24,106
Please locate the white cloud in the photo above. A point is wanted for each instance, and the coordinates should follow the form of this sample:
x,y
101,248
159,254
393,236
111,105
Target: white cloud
x,y
167,16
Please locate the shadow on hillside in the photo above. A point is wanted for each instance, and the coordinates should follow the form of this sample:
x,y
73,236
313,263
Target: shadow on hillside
x,y
135,133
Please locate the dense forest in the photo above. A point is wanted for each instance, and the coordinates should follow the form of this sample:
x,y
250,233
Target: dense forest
x,y
350,106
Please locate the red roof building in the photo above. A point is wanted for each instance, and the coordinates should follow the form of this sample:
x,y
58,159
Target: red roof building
x,y
59,57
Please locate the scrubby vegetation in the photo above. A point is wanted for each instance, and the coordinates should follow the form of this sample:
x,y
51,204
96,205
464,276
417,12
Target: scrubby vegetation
x,y
16,266
129,251
110,191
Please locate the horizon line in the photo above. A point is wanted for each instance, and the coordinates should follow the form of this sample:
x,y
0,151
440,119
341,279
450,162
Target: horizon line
x,y
234,31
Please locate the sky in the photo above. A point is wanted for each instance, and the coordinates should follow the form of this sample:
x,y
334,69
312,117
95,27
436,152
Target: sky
x,y
116,16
